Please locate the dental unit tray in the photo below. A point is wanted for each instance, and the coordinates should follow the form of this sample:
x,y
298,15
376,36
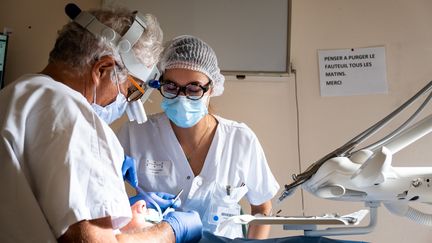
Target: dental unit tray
x,y
302,222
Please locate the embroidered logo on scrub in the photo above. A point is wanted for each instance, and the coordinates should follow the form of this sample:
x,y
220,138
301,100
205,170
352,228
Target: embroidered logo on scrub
x,y
153,167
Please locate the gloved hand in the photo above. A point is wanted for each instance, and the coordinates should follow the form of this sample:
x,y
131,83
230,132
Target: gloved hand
x,y
163,199
187,226
129,171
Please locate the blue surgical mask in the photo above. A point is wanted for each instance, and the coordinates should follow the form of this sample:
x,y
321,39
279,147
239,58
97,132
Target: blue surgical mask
x,y
113,111
184,112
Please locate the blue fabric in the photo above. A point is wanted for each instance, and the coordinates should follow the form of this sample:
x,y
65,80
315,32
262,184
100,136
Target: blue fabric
x,y
209,237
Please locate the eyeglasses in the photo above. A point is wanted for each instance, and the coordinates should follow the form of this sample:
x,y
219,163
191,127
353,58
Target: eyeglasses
x,y
193,91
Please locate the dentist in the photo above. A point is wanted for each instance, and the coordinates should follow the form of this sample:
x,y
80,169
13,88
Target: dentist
x,y
60,163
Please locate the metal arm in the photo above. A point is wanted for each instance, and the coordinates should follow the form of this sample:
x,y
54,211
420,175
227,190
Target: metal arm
x,y
347,148
368,175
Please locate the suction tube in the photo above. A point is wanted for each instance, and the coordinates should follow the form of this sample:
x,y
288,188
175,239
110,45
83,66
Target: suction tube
x,y
403,209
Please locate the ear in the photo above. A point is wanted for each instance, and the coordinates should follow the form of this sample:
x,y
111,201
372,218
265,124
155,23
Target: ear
x,y
211,88
102,69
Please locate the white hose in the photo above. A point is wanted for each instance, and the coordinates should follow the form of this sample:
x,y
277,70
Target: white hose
x,y
403,209
150,200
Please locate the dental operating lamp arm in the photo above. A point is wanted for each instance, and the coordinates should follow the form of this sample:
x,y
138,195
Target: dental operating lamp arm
x,y
367,175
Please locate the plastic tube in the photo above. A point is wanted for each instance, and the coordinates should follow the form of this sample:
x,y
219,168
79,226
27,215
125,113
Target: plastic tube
x,y
403,209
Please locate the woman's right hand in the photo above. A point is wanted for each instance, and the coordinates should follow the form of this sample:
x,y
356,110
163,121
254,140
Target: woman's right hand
x,y
163,199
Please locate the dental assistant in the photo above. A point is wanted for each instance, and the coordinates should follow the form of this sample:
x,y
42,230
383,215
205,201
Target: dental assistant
x,y
60,163
215,160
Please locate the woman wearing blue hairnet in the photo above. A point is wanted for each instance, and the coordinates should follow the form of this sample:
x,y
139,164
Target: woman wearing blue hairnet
x,y
215,161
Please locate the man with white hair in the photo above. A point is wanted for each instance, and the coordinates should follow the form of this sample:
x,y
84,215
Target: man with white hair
x,y
61,175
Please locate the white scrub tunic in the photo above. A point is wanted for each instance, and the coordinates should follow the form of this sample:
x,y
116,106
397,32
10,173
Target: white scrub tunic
x,y
235,160
60,163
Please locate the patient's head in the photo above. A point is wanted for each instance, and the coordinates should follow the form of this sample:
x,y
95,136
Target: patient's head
x,y
140,213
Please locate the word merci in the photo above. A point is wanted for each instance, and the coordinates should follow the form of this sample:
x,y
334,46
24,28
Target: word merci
x,y
344,62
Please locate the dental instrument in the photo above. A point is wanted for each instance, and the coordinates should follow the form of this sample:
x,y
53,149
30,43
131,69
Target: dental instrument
x,y
176,198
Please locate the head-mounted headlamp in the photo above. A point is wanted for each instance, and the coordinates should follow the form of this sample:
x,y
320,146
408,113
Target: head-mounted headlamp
x,y
124,43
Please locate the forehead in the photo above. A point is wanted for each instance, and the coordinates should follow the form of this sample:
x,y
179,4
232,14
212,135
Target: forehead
x,y
185,76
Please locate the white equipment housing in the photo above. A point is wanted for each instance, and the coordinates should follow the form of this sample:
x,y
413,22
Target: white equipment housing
x,y
367,175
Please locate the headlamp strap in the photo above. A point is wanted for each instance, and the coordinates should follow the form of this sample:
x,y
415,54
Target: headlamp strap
x,y
124,43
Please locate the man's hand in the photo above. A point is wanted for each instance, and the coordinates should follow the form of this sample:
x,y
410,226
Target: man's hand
x,y
187,226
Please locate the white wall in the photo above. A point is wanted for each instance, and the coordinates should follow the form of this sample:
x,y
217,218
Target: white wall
x,y
403,27
34,25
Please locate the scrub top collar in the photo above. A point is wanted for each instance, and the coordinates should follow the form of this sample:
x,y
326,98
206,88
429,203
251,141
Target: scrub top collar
x,y
209,167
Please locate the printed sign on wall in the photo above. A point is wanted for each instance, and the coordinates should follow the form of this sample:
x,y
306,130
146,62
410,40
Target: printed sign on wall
x,y
346,72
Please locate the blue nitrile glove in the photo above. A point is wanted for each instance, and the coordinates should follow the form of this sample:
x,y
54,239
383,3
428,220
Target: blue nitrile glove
x,y
163,199
129,171
187,226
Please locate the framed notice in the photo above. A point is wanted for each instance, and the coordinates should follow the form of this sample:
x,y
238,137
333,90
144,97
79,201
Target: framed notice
x,y
346,72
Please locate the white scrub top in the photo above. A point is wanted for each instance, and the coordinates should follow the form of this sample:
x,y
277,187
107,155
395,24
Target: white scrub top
x,y
235,159
60,163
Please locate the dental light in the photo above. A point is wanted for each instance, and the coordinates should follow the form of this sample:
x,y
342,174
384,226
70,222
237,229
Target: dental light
x,y
125,43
